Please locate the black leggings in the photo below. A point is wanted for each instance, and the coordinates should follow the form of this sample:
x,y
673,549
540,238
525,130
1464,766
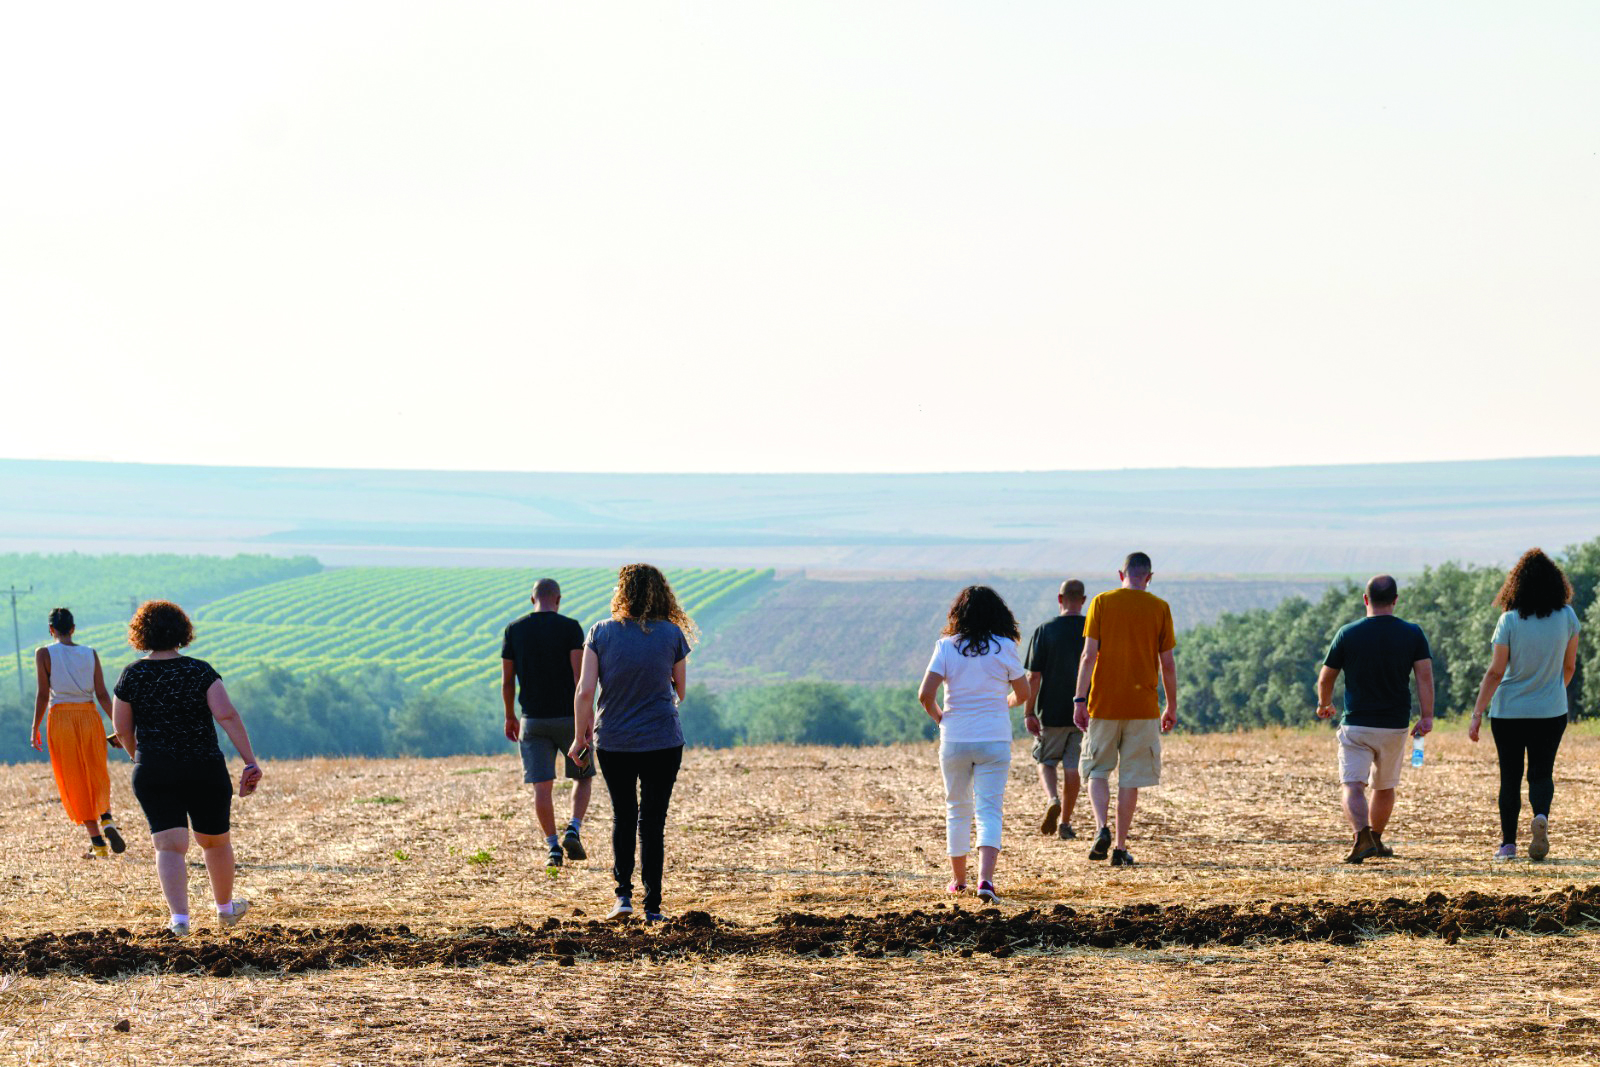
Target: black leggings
x,y
1539,738
640,784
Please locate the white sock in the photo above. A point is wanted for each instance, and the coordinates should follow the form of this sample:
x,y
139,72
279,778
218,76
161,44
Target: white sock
x,y
225,909
179,918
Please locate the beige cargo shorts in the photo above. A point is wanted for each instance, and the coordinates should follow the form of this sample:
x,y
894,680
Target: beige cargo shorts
x,y
1131,746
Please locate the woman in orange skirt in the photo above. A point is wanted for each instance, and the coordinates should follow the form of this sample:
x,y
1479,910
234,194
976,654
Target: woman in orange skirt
x,y
70,683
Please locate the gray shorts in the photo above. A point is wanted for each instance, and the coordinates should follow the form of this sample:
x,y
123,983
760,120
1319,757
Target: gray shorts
x,y
1058,744
541,740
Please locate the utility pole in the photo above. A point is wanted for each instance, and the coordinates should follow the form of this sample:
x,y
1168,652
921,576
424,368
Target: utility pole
x,y
16,637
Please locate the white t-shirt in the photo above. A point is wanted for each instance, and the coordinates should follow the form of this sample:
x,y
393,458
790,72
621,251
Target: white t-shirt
x,y
975,689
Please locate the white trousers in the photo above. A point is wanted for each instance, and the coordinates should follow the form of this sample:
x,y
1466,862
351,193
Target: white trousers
x,y
975,775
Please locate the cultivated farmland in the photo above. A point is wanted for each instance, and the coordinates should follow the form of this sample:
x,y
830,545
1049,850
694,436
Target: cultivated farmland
x,y
436,626
403,915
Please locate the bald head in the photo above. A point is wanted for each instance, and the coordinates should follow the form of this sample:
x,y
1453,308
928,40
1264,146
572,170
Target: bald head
x,y
546,593
1383,591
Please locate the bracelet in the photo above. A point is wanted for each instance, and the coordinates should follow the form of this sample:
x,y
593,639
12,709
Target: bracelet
x,y
1080,700
251,767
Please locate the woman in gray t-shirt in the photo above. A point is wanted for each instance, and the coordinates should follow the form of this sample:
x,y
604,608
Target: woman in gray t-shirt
x,y
638,661
1524,692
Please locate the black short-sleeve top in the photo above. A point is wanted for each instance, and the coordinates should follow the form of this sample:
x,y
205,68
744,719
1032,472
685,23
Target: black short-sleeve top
x,y
172,722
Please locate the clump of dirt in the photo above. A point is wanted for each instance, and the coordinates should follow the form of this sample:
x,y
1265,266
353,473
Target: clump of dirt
x,y
109,953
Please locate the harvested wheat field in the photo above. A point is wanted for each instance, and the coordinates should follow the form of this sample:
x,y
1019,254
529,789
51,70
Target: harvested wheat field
x,y
404,915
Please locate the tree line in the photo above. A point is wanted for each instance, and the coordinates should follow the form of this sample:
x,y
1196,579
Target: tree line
x,y
1257,668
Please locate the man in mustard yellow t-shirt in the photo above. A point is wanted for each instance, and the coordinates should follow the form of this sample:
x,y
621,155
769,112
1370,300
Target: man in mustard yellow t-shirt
x,y
1127,642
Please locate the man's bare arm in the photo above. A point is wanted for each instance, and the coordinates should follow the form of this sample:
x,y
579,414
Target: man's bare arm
x,y
1423,669
508,694
1325,680
1169,683
1086,662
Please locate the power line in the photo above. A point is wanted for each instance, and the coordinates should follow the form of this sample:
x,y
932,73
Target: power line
x,y
16,637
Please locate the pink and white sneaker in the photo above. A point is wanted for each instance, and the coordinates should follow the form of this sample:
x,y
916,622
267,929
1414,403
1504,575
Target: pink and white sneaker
x,y
987,894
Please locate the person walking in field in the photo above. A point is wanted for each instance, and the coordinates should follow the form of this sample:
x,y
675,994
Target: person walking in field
x,y
1378,655
1054,652
541,657
976,661
165,707
1128,642
69,683
638,659
1524,692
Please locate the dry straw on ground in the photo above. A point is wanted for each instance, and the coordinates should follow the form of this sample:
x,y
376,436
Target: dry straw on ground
x,y
447,845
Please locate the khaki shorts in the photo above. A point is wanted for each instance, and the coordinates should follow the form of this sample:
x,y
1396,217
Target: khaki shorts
x,y
1133,746
1372,752
1058,744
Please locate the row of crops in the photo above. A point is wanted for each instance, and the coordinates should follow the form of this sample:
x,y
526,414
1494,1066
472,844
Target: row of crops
x,y
436,626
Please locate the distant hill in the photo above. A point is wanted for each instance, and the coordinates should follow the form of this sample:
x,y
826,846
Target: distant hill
x,y
880,632
1329,521
440,626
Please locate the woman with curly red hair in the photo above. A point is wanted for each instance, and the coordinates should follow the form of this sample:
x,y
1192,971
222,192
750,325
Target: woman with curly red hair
x,y
638,661
977,663
1524,692
165,706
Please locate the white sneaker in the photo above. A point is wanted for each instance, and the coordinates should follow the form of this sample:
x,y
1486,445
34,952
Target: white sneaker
x,y
239,908
178,928
623,910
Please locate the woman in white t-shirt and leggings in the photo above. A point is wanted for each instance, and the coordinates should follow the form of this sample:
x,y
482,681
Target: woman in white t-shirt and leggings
x,y
977,663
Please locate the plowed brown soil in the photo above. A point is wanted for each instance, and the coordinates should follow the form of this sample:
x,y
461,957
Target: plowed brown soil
x,y
110,953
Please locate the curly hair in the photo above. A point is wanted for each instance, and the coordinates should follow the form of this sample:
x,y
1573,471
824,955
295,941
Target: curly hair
x,y
159,626
644,595
976,617
1534,586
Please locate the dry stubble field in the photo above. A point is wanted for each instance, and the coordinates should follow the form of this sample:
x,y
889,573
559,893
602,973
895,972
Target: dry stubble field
x,y
405,916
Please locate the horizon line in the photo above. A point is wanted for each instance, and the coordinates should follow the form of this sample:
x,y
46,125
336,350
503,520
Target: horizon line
x,y
809,473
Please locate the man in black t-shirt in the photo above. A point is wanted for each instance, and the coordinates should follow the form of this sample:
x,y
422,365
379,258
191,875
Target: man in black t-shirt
x,y
540,660
1378,655
1052,665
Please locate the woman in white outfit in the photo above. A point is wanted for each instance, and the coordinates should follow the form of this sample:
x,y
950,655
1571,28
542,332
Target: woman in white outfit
x,y
977,663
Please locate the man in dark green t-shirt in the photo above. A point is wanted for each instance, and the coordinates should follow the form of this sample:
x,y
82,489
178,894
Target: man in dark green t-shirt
x,y
1378,656
540,659
1052,665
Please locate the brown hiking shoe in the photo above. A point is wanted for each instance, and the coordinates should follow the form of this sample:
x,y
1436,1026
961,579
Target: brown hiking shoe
x,y
1047,825
1366,845
1384,851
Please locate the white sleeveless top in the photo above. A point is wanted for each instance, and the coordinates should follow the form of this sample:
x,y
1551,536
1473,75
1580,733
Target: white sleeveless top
x,y
71,674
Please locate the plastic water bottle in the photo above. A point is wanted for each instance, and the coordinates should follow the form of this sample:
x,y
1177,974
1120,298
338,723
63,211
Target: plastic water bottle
x,y
1416,751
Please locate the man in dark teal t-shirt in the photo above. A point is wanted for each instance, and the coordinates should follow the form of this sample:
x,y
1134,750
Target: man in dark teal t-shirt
x,y
1378,656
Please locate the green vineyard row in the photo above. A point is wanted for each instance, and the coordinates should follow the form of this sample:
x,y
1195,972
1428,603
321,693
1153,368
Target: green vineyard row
x,y
435,626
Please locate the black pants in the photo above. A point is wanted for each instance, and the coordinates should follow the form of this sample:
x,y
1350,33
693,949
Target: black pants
x,y
1539,738
640,784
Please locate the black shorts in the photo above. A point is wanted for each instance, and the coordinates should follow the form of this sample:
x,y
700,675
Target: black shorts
x,y
194,795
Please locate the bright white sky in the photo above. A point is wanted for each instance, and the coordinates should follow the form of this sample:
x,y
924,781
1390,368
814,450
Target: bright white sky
x,y
803,236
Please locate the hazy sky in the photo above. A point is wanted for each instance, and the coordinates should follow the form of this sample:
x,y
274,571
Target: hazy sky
x,y
803,236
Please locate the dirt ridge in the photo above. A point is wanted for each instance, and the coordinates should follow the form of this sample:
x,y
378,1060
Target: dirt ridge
x,y
953,929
